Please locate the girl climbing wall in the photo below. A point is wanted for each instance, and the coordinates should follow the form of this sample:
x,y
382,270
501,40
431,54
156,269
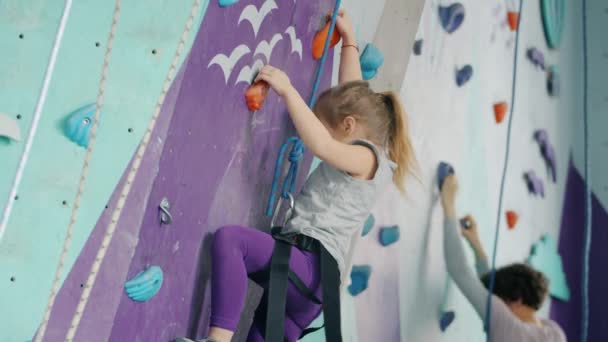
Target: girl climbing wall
x,y
519,290
361,138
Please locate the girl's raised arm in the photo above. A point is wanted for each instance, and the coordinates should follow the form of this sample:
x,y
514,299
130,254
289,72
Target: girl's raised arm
x,y
350,68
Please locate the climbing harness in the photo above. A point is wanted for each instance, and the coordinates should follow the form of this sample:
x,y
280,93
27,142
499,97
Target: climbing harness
x,y
271,312
37,114
488,316
588,204
109,233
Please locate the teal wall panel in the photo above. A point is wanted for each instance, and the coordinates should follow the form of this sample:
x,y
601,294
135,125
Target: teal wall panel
x,y
31,246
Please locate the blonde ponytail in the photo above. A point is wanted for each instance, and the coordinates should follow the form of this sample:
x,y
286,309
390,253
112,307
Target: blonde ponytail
x,y
399,143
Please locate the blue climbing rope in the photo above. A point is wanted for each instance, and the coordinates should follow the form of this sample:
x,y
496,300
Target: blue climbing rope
x,y
502,182
297,150
588,204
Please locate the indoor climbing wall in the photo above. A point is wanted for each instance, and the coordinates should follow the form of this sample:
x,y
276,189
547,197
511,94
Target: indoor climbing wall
x,y
210,160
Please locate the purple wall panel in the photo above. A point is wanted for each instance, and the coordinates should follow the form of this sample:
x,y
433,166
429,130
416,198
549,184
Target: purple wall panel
x,y
105,297
568,314
217,164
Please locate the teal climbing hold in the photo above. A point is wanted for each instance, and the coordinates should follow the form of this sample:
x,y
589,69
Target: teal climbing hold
x,y
371,59
368,225
359,279
389,235
145,285
545,258
9,128
554,19
78,124
226,3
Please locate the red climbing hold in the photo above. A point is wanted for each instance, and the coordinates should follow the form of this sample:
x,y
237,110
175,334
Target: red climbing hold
x,y
318,43
512,18
500,110
511,219
256,94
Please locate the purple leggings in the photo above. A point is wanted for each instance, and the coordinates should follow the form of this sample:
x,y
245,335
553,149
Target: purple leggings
x,y
239,251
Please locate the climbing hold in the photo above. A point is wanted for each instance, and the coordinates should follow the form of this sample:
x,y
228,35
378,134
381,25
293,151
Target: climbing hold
x,y
512,219
256,94
465,223
553,13
9,128
463,75
451,17
78,124
553,81
165,215
500,110
226,3
359,276
547,151
371,59
512,19
545,258
443,171
447,317
369,224
536,57
318,43
389,235
535,184
145,285
418,47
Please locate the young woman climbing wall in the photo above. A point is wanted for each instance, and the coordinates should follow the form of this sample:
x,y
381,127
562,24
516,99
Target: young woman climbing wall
x,y
519,290
361,138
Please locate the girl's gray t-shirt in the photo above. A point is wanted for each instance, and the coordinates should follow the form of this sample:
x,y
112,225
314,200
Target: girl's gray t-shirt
x,y
333,205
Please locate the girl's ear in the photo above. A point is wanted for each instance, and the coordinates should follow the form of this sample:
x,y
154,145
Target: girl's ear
x,y
350,124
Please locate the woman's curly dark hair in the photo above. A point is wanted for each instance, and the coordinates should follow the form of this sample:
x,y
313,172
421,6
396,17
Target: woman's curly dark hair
x,y
519,281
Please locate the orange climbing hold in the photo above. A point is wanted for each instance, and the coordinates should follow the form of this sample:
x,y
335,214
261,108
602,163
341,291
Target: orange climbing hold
x,y
256,94
512,219
318,43
500,110
512,18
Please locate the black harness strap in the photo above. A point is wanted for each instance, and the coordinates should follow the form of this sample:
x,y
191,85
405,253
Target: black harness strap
x,y
277,292
279,274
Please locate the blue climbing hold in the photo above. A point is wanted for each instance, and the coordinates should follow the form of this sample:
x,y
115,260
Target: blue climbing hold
x,y
464,75
359,279
389,235
443,171
371,59
368,225
145,285
451,17
78,125
553,81
226,3
418,47
447,317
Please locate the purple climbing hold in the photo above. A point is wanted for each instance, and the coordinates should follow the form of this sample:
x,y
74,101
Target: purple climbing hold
x,y
465,223
418,47
463,75
447,317
359,276
553,81
547,151
389,235
536,57
451,17
535,184
443,171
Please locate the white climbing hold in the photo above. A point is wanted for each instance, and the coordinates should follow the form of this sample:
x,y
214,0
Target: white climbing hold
x,y
9,128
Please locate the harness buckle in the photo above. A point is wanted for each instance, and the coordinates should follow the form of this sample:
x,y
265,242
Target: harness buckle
x,y
279,207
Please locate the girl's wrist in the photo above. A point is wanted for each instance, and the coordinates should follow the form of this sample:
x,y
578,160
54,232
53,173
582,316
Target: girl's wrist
x,y
348,38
